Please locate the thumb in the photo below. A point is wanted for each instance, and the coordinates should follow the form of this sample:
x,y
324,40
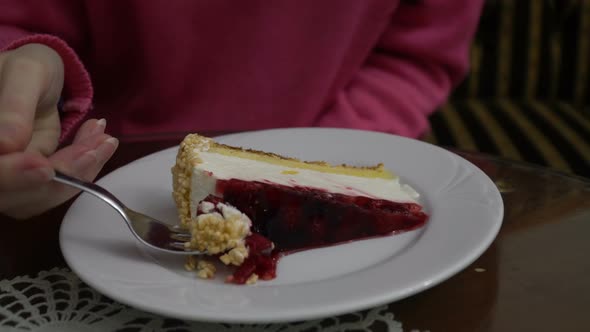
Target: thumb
x,y
46,131
27,75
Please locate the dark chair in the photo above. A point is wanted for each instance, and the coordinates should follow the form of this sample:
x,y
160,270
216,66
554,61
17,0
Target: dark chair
x,y
527,96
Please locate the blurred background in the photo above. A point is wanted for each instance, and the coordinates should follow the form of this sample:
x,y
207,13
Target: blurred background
x,y
527,96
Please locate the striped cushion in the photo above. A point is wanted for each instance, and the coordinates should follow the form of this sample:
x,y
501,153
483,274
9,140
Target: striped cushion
x,y
531,49
527,96
553,134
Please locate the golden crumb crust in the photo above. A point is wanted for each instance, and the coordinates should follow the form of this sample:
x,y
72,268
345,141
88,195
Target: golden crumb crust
x,y
186,158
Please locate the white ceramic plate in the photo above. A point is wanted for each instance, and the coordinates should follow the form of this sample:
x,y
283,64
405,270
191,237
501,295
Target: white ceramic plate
x,y
465,207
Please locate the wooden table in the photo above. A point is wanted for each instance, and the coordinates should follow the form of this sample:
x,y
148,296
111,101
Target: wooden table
x,y
534,277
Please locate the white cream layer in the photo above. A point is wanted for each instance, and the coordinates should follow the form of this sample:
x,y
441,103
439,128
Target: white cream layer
x,y
215,166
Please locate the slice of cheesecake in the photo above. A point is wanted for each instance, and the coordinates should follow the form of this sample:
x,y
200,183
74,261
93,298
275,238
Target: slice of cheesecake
x,y
249,207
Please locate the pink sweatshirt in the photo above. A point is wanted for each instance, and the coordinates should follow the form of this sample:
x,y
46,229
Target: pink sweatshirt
x,y
194,65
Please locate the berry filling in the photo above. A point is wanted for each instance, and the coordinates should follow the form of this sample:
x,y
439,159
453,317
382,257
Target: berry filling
x,y
297,218
262,260
300,218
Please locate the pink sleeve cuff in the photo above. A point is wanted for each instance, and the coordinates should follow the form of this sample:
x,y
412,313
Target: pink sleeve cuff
x,y
77,91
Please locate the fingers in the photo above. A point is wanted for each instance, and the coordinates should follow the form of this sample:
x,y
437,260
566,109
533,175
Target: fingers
x,y
22,197
21,177
83,159
47,129
86,164
91,163
82,163
89,128
84,154
23,171
27,170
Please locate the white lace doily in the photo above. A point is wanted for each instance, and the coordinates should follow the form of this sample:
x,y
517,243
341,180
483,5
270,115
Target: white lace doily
x,y
58,300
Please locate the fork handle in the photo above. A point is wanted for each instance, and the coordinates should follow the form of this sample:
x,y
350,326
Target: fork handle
x,y
93,189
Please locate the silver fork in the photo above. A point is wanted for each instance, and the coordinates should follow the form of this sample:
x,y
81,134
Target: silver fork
x,y
149,231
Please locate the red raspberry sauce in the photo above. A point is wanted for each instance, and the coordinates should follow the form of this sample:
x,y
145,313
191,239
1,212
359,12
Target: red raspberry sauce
x,y
300,218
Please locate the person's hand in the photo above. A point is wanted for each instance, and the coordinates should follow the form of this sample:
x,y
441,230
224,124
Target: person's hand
x,y
31,81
